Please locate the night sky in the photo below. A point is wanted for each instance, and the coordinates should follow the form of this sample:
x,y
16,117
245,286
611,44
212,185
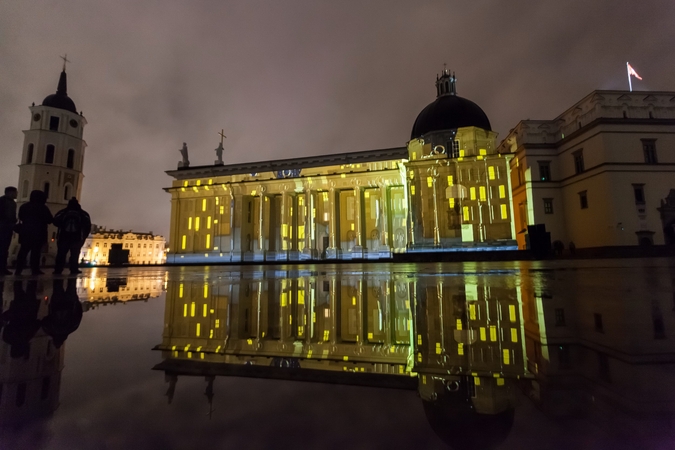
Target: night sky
x,y
296,78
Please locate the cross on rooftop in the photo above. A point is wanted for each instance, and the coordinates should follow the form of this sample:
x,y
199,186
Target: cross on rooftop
x,y
222,136
65,60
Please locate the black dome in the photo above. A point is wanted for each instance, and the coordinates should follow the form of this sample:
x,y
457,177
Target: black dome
x,y
449,112
60,99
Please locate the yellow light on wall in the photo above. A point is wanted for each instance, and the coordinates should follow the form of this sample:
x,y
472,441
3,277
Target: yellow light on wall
x,y
461,153
451,202
412,190
199,182
180,291
502,191
189,223
482,152
192,309
491,172
222,210
198,330
507,356
208,222
472,192
205,310
325,217
210,181
503,211
185,183
208,241
185,310
450,180
206,290
465,213
217,201
203,204
196,223
430,181
183,242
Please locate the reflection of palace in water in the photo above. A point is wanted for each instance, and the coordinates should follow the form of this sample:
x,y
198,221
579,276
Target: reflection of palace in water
x,y
456,339
37,317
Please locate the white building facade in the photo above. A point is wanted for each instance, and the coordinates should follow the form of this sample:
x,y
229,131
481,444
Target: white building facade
x,y
144,248
599,174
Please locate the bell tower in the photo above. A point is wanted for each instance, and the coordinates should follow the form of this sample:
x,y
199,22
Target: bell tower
x,y
53,155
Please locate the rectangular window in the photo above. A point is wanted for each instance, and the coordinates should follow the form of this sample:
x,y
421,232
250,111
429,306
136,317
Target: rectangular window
x,y
208,241
545,170
472,193
203,204
649,150
559,317
54,123
450,180
483,193
639,194
465,213
583,200
196,224
491,172
504,212
578,161
184,241
189,223
548,206
502,191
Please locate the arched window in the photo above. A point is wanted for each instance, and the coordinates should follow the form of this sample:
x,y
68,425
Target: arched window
x,y
46,190
49,156
71,159
24,189
29,154
67,191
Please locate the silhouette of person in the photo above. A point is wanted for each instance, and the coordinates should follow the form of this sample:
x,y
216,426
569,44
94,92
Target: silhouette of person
x,y
21,319
65,312
34,217
7,223
74,226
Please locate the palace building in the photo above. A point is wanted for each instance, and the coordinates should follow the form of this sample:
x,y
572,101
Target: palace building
x,y
143,248
447,190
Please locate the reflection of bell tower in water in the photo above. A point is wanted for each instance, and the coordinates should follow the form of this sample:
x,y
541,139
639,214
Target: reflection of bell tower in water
x,y
53,155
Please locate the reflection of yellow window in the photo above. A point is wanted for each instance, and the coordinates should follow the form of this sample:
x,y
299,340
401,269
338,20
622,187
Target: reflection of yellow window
x,y
502,191
466,213
482,194
451,201
461,153
450,180
184,241
208,241
412,190
482,152
189,223
430,181
491,172
208,222
222,210
503,211
473,193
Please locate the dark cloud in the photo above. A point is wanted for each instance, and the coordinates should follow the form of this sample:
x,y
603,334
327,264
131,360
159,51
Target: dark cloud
x,y
299,78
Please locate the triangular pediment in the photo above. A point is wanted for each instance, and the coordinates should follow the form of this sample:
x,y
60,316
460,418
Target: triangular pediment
x,y
649,98
625,98
597,98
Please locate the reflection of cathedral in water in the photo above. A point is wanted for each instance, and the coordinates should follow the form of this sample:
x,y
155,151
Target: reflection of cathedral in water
x,y
457,340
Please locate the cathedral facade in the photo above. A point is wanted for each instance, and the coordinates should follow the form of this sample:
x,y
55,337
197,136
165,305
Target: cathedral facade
x,y
447,190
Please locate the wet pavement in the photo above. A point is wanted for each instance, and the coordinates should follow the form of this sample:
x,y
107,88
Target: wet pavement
x,y
508,355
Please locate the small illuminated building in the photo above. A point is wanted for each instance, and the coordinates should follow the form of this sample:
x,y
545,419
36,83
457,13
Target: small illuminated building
x,y
599,174
447,190
144,248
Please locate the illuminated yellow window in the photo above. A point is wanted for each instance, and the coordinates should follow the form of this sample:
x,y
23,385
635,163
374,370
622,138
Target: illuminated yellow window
x,y
461,153
180,291
459,324
450,180
192,309
366,194
503,211
493,333
208,222
208,241
199,182
183,242
430,181
507,357
185,310
514,335
206,290
483,334
483,195
205,310
203,204
196,223
472,193
210,181
472,312
217,201
198,330
491,172
451,202
217,324
301,201
412,190
502,191
482,152
460,349
189,223
465,211
512,313
414,155
284,230
185,183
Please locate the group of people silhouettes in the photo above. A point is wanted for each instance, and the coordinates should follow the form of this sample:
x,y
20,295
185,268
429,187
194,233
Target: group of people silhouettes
x,y
31,224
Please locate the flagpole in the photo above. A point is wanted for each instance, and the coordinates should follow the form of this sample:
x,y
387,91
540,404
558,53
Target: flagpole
x,y
630,85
